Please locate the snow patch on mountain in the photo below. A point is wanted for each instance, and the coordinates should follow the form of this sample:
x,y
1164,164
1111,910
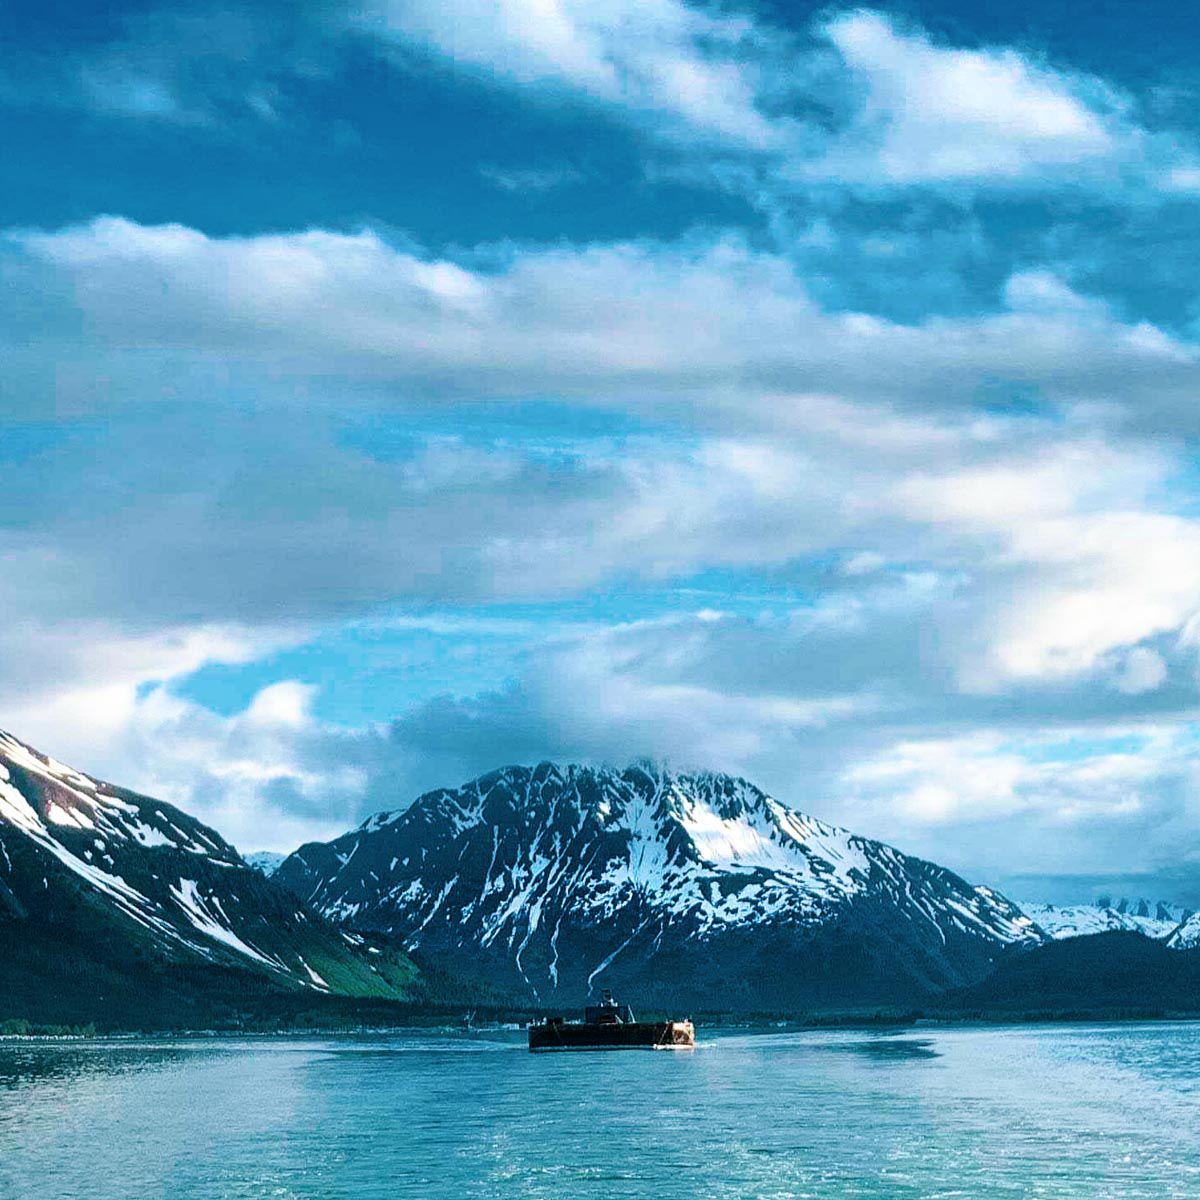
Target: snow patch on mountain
x,y
79,802
209,917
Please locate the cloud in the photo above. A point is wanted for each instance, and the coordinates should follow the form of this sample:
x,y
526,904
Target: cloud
x,y
170,308
1142,670
1087,566
934,113
796,694
268,777
925,557
873,441
852,100
939,776
972,572
532,179
61,675
692,69
855,99
1121,802
698,691
196,67
95,695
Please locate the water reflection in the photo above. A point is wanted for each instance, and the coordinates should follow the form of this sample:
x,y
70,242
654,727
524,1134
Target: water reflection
x,y
892,1049
28,1062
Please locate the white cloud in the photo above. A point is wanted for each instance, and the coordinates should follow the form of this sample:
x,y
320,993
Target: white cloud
x,y
62,677
935,580
269,777
897,109
1084,564
1142,670
96,697
692,67
621,323
1072,551
1110,579
855,99
1114,799
936,113
287,703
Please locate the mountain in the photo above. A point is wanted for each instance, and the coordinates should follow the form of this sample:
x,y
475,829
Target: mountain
x,y
684,891
1157,920
1119,973
266,861
1187,936
107,895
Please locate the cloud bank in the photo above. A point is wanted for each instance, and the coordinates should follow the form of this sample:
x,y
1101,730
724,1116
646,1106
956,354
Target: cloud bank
x,y
885,496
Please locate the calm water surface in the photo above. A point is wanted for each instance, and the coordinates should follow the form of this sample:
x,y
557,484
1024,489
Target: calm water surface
x,y
1088,1112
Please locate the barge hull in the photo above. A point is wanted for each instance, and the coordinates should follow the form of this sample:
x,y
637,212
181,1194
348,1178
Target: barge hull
x,y
640,1035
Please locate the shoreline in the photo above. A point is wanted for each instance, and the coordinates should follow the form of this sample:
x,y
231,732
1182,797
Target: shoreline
x,y
731,1025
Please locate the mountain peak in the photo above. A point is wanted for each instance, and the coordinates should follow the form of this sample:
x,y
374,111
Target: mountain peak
x,y
558,876
597,790
39,795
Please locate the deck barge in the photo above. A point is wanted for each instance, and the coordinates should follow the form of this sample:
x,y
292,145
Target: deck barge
x,y
610,1026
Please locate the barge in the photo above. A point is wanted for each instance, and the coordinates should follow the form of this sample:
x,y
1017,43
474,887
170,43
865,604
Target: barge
x,y
610,1026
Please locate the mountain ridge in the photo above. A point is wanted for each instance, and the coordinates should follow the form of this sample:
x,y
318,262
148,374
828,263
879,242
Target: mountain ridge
x,y
692,887
1081,920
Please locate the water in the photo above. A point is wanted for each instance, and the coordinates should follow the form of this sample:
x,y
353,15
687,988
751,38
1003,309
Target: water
x,y
1062,1112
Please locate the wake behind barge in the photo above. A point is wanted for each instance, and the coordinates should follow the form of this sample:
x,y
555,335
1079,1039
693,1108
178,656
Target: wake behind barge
x,y
610,1026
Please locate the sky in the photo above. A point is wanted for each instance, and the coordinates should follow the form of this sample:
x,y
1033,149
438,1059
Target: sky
x,y
398,389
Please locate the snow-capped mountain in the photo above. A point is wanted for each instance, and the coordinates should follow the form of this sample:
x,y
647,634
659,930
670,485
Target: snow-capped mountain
x,y
266,861
678,889
116,874
1187,936
1158,920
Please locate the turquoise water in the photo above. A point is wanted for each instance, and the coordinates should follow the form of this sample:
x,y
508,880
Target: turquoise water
x,y
1063,1112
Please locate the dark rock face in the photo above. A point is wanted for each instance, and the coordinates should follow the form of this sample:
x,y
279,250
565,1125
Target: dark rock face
x,y
682,891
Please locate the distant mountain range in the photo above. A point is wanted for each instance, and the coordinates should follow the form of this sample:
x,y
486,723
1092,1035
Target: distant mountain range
x,y
1155,920
687,891
526,887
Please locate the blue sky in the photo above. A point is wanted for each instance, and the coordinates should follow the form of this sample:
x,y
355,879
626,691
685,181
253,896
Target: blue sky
x,y
395,389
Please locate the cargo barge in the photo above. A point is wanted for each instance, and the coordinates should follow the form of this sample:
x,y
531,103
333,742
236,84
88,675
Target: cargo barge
x,y
610,1026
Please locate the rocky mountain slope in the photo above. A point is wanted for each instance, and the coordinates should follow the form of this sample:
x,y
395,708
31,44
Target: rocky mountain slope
x,y
97,882
687,891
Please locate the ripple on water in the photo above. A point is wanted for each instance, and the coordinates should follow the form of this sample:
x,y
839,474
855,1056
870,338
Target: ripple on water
x,y
1066,1113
